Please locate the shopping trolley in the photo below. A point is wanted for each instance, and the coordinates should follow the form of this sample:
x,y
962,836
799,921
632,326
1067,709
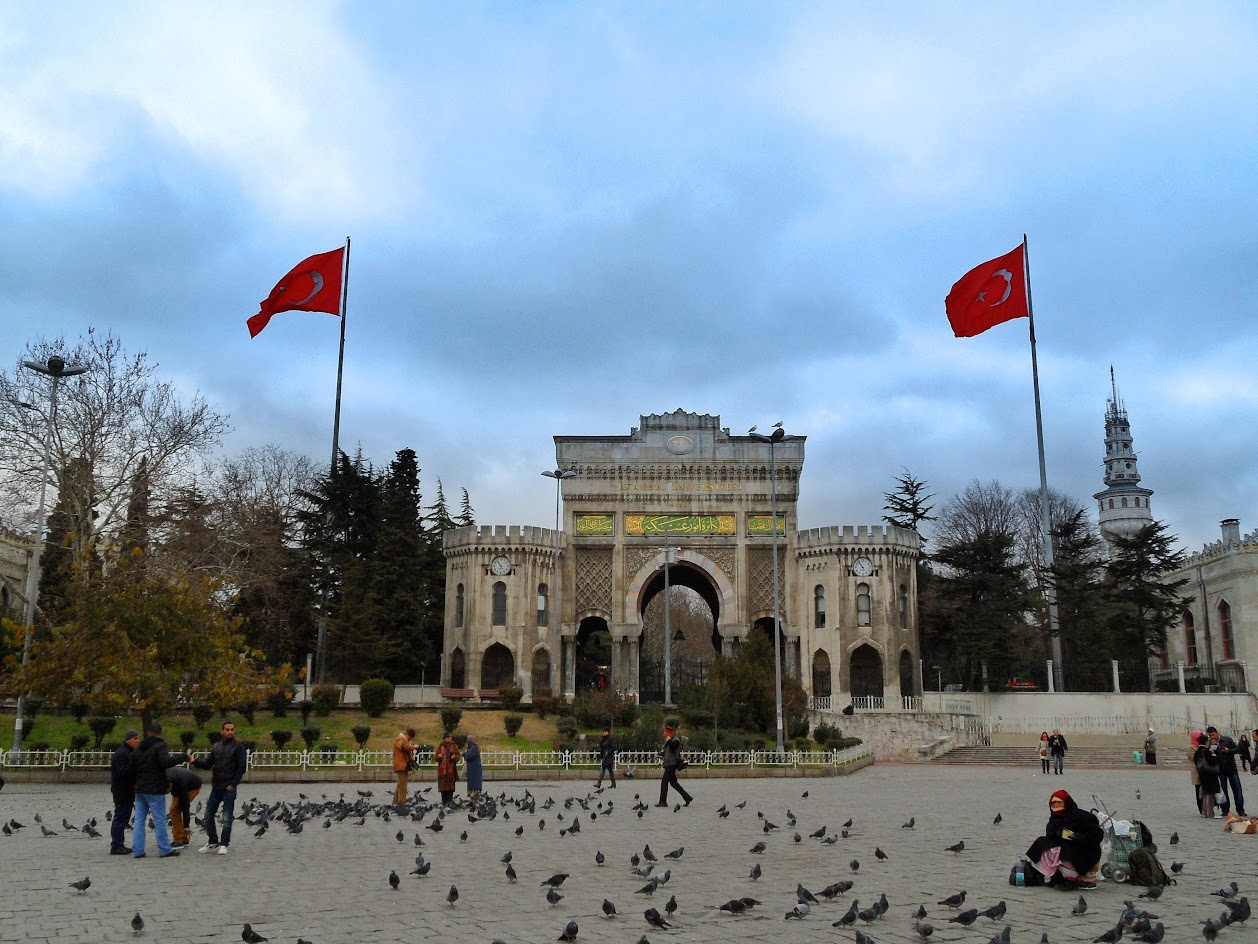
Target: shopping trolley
x,y
1116,848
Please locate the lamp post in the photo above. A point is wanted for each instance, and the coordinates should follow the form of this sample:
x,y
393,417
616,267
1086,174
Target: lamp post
x,y
56,369
556,644
773,439
938,678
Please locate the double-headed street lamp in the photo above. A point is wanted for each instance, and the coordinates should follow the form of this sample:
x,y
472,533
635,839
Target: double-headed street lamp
x,y
551,603
56,368
773,439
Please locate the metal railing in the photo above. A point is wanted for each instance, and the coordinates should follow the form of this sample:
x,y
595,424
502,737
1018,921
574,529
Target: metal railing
x,y
497,760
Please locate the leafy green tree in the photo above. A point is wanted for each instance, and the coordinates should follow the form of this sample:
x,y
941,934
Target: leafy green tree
x,y
1144,601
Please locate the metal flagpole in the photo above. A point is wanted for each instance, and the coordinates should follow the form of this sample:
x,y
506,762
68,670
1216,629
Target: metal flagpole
x,y
321,652
1050,586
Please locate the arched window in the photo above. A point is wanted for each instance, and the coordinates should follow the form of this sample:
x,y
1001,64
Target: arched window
x,y
1137,502
1225,630
458,669
819,607
1190,639
500,604
1124,503
1111,503
459,603
542,599
862,605
903,604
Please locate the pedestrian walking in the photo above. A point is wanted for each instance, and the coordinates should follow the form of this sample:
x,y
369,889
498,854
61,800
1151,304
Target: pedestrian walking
x,y
122,786
227,763
1057,748
672,761
606,758
1043,750
1205,759
472,768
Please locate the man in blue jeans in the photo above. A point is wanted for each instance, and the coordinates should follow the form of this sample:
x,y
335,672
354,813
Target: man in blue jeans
x,y
226,764
152,758
1228,777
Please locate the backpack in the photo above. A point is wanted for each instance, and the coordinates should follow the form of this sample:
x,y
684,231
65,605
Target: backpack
x,y
1144,868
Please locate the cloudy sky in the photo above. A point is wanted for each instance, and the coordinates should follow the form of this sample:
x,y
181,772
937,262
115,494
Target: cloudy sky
x,y
565,215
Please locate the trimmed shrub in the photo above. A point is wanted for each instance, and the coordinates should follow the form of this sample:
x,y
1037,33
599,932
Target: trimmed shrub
x,y
375,695
543,703
629,714
361,732
101,727
277,701
39,746
460,739
79,741
512,723
567,727
510,696
33,706
214,737
28,725
201,713
597,709
325,698
186,738
248,709
450,718
328,748
797,727
306,707
79,710
281,737
310,735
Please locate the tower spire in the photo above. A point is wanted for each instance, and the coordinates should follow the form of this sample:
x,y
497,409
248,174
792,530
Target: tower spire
x,y
1124,505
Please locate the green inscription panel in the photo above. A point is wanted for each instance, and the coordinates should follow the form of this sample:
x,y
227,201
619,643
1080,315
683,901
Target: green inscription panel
x,y
760,524
593,525
679,524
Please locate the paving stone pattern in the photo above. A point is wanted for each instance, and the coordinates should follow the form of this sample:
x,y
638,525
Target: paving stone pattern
x,y
331,885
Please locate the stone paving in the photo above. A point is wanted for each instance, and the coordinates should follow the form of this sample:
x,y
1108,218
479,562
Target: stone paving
x,y
331,885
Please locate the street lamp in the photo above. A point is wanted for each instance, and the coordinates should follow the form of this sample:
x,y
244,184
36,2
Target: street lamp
x,y
556,645
56,369
773,439
938,678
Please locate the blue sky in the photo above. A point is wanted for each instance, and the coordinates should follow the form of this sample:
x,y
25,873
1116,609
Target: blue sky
x,y
566,215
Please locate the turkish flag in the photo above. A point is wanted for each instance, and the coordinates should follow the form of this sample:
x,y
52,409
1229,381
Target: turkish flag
x,y
988,295
313,284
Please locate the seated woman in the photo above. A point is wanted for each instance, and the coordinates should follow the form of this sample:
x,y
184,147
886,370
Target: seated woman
x,y
1070,848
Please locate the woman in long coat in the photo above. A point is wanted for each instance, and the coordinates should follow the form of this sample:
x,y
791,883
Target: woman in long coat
x,y
447,757
472,767
1206,763
1071,844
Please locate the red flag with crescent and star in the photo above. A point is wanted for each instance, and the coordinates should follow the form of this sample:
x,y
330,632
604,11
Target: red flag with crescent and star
x,y
313,284
988,295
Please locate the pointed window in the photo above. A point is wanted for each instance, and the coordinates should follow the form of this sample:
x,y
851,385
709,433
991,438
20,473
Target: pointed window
x,y
862,605
819,607
459,603
1190,639
500,604
1225,630
542,600
903,604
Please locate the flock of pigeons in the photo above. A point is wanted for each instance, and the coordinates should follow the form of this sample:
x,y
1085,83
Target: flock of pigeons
x,y
652,872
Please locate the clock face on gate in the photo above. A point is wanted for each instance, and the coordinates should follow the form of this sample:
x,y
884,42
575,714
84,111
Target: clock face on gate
x,y
863,567
500,566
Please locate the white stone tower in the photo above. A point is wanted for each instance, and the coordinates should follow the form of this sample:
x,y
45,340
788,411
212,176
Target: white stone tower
x,y
1123,506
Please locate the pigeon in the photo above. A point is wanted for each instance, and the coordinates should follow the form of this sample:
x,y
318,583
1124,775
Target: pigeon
x,y
966,918
803,894
452,896
758,848
854,865
863,938
1081,906
137,924
1003,937
83,885
609,909
734,906
400,837
569,932
649,888
655,919
553,897
1154,935
880,855
511,876
394,881
7,829
676,853
250,936
1109,937
1153,892
848,824
869,915
755,872
909,825
1239,911
920,913
90,832
670,907
804,795
556,880
849,918
648,854
924,929
959,847
1177,867
800,910
46,831
599,858
1174,840
1227,891
997,821
1209,930
995,912
954,901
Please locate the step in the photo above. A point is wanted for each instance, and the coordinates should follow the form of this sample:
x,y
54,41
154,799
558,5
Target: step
x,y
1029,757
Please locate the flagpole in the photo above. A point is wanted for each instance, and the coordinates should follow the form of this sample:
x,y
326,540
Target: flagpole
x,y
1046,522
321,661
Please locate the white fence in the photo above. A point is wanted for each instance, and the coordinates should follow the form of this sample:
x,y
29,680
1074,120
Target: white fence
x,y
494,760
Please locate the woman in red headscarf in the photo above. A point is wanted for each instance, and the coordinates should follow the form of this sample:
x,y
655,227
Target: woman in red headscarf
x,y
1071,845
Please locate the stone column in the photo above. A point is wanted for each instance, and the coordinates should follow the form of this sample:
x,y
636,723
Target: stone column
x,y
1052,681
633,668
570,666
1180,668
1114,669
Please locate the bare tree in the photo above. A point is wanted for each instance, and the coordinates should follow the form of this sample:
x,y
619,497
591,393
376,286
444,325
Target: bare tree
x,y
112,417
984,509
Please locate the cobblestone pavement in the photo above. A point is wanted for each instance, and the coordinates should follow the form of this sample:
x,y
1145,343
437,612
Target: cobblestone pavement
x,y
331,885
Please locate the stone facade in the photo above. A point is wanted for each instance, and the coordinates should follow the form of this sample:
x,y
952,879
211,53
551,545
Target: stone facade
x,y
1123,508
524,603
15,556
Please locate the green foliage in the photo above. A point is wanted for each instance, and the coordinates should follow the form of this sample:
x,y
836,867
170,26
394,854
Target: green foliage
x,y
327,748
567,727
629,712
201,713
741,690
306,708
797,727
543,703
1078,573
248,709
78,708
79,741
450,718
101,728
460,739
1144,602
595,708
277,701
282,736
512,724
214,737
361,732
510,696
906,505
186,738
831,737
310,735
375,695
325,698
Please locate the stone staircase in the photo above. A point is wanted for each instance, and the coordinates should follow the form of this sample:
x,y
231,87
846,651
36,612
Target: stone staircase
x,y
1083,756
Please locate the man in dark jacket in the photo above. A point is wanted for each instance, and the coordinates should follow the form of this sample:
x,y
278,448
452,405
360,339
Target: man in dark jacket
x,y
671,761
184,787
152,759
122,786
226,763
1229,779
1057,748
606,758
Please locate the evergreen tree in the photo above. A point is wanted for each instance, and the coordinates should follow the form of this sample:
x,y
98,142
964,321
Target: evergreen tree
x,y
1144,603
439,512
68,553
135,528
467,516
907,504
1078,573
397,601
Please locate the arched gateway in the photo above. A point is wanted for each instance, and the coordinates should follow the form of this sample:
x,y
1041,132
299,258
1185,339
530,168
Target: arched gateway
x,y
678,501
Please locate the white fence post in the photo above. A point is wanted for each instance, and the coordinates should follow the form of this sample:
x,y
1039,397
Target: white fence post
x,y
1180,667
1113,665
1052,684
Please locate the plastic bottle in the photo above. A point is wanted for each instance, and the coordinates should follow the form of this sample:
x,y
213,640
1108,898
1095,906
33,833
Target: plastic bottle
x,y
1019,873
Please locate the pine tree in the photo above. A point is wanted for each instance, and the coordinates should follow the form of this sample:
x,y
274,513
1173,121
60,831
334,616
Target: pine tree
x,y
68,553
467,516
135,529
1078,573
907,504
1144,602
